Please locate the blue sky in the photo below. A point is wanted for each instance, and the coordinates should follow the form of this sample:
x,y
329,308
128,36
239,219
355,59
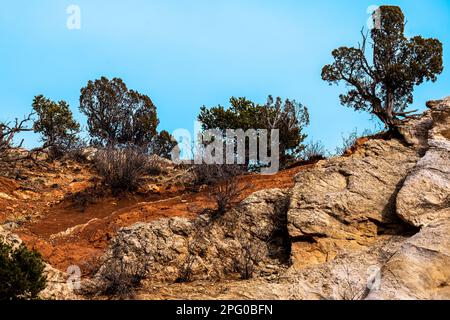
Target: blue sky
x,y
185,54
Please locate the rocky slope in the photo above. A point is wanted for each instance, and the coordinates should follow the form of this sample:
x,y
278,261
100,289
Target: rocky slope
x,y
374,224
371,225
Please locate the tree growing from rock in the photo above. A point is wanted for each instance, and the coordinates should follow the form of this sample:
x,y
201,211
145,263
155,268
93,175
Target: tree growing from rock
x,y
385,86
56,124
116,115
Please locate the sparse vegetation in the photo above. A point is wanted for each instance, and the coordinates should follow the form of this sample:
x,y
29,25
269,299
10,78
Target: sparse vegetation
x,y
121,169
223,184
349,140
314,151
249,258
21,273
210,174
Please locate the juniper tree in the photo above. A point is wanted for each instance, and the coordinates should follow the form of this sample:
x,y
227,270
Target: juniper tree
x,y
56,124
163,144
117,115
21,273
385,86
288,116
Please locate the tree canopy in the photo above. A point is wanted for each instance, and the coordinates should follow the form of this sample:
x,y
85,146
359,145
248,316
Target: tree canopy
x,y
117,115
288,116
55,123
385,86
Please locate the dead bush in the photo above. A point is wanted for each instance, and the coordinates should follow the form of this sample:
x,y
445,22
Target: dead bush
x,y
314,151
225,187
246,262
157,165
185,270
8,132
209,174
121,169
226,194
80,152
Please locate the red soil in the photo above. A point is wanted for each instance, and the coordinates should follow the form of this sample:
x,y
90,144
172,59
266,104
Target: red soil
x,y
99,221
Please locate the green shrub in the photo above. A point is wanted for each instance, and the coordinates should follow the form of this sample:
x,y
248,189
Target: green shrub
x,y
56,124
21,273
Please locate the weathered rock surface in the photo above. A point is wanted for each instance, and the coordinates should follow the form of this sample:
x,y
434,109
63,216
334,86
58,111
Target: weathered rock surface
x,y
425,195
251,236
345,277
420,269
348,201
372,225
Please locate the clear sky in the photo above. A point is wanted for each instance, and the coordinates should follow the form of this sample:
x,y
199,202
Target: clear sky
x,y
185,54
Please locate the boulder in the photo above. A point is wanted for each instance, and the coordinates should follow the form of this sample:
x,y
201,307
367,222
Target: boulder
x,y
420,269
348,201
425,195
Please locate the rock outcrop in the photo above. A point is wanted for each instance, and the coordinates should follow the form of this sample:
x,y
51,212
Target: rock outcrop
x,y
425,195
374,224
420,269
251,238
348,201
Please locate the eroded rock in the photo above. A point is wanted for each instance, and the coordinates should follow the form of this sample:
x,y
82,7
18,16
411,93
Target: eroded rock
x,y
420,269
180,249
425,195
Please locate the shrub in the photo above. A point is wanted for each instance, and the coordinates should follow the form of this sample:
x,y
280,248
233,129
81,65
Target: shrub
x,y
248,259
56,125
117,115
121,169
314,151
225,188
349,140
289,117
226,195
7,135
162,144
209,174
120,279
21,273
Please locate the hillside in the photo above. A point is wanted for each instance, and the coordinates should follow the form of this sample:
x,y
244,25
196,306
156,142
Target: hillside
x,y
373,224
